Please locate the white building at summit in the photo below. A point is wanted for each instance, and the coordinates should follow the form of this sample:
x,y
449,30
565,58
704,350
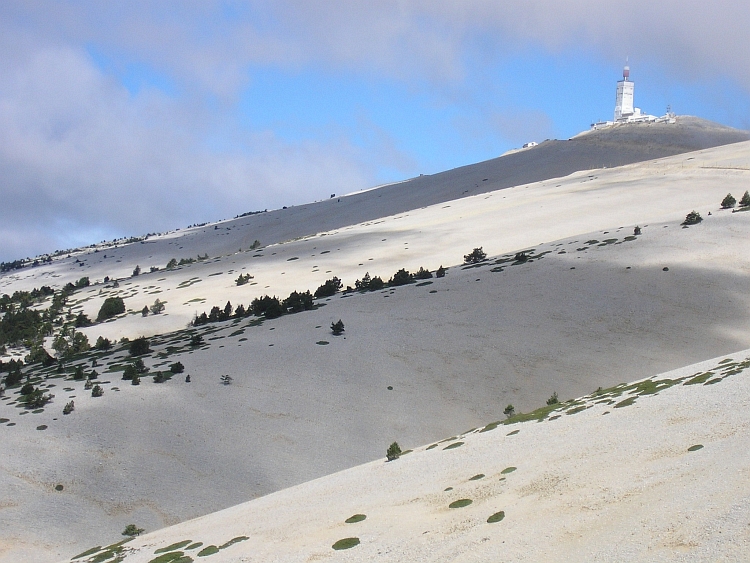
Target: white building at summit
x,y
625,110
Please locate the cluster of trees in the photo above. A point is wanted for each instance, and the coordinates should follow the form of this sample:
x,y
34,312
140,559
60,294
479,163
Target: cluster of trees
x,y
22,324
155,309
243,279
80,284
266,306
13,367
728,202
402,277
24,299
69,342
14,265
34,397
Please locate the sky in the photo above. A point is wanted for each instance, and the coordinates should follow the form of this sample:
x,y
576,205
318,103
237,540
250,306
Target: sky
x,y
123,118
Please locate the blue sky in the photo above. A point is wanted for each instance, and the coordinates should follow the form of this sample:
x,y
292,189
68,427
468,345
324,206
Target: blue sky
x,y
155,105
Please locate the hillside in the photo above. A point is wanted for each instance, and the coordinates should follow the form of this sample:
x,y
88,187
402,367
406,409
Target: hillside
x,y
593,306
583,482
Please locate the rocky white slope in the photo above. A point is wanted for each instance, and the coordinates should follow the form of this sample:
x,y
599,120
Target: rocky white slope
x,y
652,471
594,306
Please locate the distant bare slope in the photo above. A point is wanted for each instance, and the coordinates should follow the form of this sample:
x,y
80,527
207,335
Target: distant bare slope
x,y
551,159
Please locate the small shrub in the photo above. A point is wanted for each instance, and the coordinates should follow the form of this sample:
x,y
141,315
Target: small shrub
x,y
337,328
97,391
475,256
553,400
81,320
243,279
255,245
69,407
402,277
269,307
144,311
393,452
103,344
521,257
329,288
509,411
745,201
692,218
177,367
139,346
636,231
196,340
78,374
422,274
111,307
157,307
440,273
27,388
728,202
132,530
36,399
297,302
172,264
137,271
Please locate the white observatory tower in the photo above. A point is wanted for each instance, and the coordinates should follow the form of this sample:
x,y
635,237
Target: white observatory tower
x,y
624,102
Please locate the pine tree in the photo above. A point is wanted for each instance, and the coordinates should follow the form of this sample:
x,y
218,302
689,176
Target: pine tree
x,y
728,202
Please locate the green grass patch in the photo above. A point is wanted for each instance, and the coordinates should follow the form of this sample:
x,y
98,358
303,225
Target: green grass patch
x,y
460,503
208,550
695,448
433,446
497,517
477,477
195,545
173,547
322,343
539,414
725,360
513,433
42,427
712,381
88,552
233,541
237,332
507,470
172,557
626,403
346,543
356,518
453,446
491,426
572,411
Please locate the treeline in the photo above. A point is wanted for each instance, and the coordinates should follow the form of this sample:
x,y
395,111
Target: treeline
x,y
273,307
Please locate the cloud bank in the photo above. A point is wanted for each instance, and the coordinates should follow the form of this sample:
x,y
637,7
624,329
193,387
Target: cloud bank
x,y
84,153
